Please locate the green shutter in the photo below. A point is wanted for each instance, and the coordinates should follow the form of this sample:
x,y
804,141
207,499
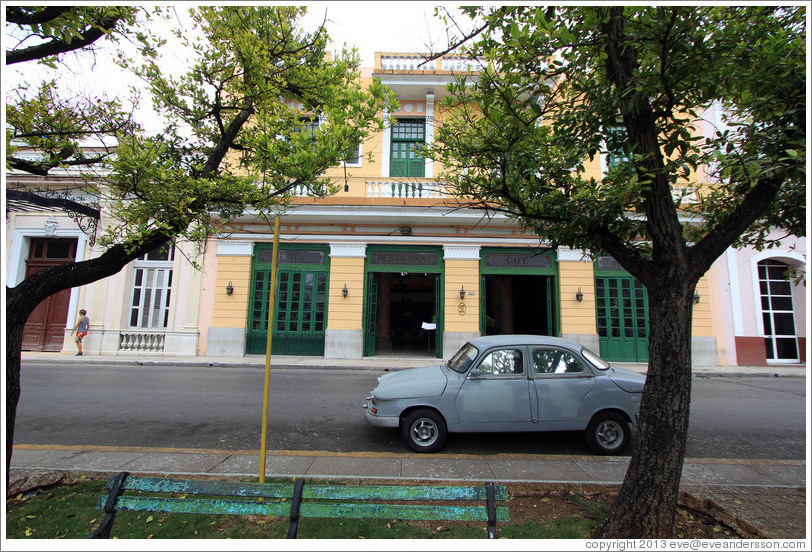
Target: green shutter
x,y
622,317
371,322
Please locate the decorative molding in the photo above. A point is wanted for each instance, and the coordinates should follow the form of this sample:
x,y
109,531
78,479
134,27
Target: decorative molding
x,y
429,136
567,255
82,208
735,291
50,226
461,252
228,248
348,250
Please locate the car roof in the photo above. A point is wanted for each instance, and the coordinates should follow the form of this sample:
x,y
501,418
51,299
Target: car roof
x,y
486,341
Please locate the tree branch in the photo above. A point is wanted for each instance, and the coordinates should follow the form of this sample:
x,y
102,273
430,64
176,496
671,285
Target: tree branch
x,y
466,38
19,16
753,206
56,46
41,168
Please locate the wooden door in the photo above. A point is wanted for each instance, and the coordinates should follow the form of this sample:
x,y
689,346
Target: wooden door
x,y
45,328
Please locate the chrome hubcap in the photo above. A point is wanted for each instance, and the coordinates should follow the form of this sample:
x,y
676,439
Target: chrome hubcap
x,y
609,434
424,431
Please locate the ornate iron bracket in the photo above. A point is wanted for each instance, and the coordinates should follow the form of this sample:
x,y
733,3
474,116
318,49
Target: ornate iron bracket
x,y
86,216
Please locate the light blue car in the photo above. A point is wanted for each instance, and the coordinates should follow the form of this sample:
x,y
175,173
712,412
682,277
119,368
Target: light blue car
x,y
511,383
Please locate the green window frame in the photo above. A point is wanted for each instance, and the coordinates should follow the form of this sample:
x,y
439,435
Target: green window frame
x,y
621,303
426,259
548,270
408,137
300,310
616,156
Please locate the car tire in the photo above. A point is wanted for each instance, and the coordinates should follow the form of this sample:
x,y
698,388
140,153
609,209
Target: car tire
x,y
424,430
608,433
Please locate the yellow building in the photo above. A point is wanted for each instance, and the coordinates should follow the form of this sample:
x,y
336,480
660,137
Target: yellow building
x,y
388,265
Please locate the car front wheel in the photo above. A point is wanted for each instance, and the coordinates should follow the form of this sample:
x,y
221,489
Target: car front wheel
x,y
608,433
424,430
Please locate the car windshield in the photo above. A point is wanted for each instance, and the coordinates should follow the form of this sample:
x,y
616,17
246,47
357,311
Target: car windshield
x,y
461,361
596,361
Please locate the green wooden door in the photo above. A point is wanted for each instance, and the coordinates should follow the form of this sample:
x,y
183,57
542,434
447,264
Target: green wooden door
x,y
257,334
405,160
622,315
438,310
299,313
371,315
408,136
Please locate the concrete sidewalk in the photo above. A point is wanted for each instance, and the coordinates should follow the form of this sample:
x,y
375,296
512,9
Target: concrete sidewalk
x,y
760,498
368,363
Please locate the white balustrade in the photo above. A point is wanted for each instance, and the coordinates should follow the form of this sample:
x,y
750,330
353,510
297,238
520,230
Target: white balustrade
x,y
461,64
404,189
416,62
406,63
141,341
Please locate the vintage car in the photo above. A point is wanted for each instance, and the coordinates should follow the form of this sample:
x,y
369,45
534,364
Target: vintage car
x,y
511,383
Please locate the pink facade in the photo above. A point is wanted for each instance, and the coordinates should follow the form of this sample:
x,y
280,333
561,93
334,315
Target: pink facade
x,y
762,304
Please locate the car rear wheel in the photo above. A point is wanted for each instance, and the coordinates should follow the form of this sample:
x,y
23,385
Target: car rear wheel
x,y
608,433
424,430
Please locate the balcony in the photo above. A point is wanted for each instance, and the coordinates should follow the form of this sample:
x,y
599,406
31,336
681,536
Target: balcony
x,y
406,189
417,63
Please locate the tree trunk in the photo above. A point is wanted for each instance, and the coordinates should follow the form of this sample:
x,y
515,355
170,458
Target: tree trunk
x,y
22,299
647,500
14,339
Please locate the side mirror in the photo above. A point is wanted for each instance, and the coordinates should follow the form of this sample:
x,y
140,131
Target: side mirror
x,y
474,374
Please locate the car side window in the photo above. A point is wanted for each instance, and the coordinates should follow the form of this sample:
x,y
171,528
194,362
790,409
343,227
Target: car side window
x,y
504,362
557,361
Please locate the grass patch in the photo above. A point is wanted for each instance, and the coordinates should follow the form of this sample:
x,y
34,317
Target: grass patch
x,y
572,527
69,512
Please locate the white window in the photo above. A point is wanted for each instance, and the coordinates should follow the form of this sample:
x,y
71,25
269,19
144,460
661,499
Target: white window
x,y
353,159
777,311
152,286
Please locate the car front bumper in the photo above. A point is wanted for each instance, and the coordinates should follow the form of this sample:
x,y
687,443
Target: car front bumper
x,y
380,421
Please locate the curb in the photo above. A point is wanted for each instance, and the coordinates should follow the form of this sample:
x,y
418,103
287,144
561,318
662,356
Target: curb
x,y
385,365
719,513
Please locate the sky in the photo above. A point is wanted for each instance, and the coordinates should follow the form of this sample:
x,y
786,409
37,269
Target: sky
x,y
380,26
370,26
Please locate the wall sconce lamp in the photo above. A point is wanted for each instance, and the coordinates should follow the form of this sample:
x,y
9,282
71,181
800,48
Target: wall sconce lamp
x,y
229,288
462,293
345,291
579,295
696,298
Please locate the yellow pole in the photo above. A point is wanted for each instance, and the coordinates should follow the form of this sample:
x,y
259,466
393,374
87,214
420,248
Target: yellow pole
x,y
271,302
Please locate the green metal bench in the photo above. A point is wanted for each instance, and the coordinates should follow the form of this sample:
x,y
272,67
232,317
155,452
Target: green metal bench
x,y
296,499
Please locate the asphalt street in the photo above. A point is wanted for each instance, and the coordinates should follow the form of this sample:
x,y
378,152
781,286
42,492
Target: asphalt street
x,y
313,409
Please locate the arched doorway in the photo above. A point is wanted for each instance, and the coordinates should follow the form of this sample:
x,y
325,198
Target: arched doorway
x,y
777,311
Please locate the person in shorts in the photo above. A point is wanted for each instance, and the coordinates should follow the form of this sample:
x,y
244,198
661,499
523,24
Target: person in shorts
x,y
81,327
